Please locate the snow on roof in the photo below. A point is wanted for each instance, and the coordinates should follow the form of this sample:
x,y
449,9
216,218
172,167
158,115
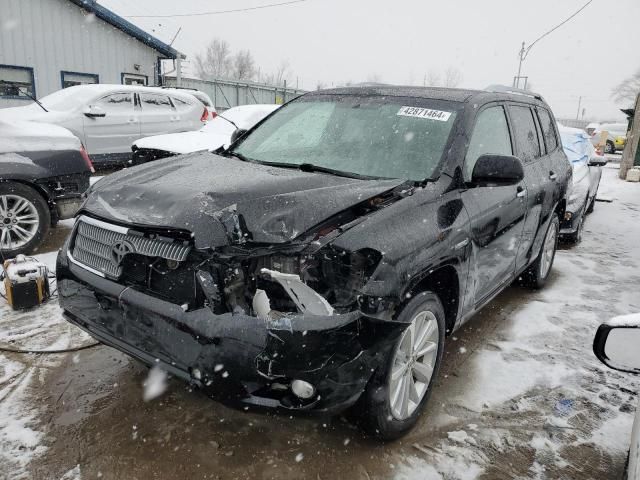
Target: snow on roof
x,y
23,136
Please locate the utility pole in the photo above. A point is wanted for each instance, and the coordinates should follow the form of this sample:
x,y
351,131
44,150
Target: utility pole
x,y
525,51
579,104
632,148
522,55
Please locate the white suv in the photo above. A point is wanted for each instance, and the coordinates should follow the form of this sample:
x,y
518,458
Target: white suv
x,y
109,118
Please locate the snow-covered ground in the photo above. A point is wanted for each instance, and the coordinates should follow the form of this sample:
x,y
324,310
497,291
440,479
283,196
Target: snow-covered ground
x,y
521,394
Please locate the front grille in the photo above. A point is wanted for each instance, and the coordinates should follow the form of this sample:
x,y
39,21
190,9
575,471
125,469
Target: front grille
x,y
102,247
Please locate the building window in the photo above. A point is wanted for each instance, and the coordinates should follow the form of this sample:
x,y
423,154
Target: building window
x,y
70,79
134,79
16,82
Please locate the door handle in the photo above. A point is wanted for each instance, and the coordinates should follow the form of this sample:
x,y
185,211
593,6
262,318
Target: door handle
x,y
521,192
553,176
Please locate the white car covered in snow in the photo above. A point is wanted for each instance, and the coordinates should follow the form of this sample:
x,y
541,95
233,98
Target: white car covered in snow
x,y
214,134
108,118
616,345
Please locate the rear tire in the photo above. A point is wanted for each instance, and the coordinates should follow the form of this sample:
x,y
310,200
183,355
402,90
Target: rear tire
x,y
24,219
538,272
576,237
592,205
387,416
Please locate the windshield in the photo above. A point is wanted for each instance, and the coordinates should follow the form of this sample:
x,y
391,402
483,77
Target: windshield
x,y
365,135
68,98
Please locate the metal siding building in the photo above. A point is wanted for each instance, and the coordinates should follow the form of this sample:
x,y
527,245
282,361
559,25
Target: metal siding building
x,y
67,41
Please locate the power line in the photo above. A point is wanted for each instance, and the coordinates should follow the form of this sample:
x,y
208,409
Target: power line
x,y
555,28
525,51
219,12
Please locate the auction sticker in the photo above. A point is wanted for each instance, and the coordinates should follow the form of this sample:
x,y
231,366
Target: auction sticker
x,y
424,113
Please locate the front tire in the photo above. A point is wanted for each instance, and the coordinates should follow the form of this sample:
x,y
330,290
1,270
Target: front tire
x,y
24,219
538,272
398,392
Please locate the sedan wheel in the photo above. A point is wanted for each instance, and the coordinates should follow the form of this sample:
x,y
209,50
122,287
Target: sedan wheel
x,y
24,219
413,365
18,222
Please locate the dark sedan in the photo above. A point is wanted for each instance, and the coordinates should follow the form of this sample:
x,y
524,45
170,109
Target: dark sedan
x,y
320,262
44,170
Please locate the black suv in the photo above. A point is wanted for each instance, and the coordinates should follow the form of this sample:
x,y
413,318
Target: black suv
x,y
323,258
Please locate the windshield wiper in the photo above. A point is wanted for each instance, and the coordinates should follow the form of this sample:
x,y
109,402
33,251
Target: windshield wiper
x,y
240,156
231,122
24,92
310,167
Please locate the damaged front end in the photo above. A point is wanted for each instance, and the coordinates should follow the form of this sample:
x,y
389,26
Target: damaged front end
x,y
285,326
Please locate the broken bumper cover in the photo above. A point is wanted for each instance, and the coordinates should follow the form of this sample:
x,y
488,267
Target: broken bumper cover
x,y
234,358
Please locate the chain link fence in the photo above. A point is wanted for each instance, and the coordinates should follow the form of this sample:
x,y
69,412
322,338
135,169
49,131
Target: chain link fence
x,y
228,93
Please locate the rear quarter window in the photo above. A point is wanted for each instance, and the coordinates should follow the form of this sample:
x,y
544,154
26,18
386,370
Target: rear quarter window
x,y
525,133
548,129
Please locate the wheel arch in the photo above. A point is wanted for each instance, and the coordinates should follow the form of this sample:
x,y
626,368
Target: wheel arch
x,y
444,282
43,192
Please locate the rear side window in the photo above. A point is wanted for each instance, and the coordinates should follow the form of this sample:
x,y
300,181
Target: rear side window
x,y
525,132
116,101
180,104
548,130
490,135
155,102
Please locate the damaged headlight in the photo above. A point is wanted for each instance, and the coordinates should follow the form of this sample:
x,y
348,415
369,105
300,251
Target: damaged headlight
x,y
340,275
337,276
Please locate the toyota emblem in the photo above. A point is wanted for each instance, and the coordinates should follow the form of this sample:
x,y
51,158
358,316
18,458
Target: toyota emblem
x,y
118,251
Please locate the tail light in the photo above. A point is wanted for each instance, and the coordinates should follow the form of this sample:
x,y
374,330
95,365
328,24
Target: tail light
x,y
87,160
214,115
205,115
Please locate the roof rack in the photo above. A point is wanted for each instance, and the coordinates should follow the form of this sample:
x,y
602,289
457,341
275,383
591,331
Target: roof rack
x,y
513,90
179,88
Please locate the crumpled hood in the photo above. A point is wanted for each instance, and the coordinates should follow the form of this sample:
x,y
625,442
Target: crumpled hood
x,y
223,200
185,142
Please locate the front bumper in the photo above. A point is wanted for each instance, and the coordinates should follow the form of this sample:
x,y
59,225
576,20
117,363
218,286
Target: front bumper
x,y
237,359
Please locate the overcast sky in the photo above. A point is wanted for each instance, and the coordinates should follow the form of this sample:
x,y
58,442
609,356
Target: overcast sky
x,y
335,41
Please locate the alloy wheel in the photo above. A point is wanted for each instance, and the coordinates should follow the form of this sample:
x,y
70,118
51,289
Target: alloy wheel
x,y
413,365
548,249
19,222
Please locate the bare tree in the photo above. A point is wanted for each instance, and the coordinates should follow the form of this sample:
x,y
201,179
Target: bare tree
x,y
374,78
452,77
627,90
215,62
243,66
282,73
433,79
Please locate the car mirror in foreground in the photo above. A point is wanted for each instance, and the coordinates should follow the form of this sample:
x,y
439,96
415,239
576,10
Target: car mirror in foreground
x,y
238,132
497,170
94,111
598,161
616,343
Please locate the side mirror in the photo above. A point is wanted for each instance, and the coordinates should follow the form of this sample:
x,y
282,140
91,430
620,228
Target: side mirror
x,y
94,111
497,170
238,132
598,161
616,343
